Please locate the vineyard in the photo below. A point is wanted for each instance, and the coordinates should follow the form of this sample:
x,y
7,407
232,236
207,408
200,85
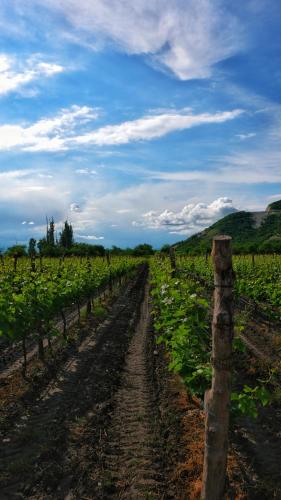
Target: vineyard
x,y
104,367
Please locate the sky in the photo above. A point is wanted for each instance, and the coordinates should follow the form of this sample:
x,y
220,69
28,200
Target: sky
x,y
137,121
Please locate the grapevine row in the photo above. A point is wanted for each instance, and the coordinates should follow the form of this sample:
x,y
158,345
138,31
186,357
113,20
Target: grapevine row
x,y
32,296
182,317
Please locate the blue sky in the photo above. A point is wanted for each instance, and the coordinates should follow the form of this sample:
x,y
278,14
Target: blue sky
x,y
140,121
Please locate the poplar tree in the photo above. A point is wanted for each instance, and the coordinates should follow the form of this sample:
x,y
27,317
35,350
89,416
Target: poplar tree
x,y
66,236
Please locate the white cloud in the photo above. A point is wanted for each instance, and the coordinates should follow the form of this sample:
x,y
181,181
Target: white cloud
x,y
120,207
74,207
14,75
90,237
14,174
153,127
85,171
48,134
186,37
59,133
241,167
243,137
45,176
192,217
274,196
20,194
124,211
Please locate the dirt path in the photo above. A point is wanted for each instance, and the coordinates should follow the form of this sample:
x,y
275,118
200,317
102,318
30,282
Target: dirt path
x,y
130,461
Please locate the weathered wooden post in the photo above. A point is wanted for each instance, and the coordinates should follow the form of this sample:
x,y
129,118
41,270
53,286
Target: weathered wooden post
x,y
89,301
32,263
15,261
110,281
41,263
217,399
108,258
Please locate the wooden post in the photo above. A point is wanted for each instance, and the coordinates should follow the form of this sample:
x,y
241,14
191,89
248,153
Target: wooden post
x,y
89,302
32,264
63,324
15,261
108,258
89,306
217,399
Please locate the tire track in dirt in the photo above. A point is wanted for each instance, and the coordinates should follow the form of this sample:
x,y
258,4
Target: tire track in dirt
x,y
130,459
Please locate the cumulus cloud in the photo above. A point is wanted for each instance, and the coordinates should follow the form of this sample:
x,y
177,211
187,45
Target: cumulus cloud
x,y
47,134
15,74
192,217
185,37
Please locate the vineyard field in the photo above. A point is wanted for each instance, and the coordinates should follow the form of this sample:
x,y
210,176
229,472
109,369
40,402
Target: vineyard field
x,y
111,359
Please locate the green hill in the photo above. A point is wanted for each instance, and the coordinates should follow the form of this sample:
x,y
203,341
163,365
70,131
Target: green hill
x,y
251,232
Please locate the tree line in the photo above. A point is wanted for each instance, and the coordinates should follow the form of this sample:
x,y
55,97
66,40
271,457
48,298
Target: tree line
x,y
52,245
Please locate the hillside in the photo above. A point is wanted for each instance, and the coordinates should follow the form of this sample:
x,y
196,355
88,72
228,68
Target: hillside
x,y
251,232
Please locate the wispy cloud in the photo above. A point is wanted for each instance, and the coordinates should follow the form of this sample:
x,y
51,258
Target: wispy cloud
x,y
48,134
243,137
274,196
240,167
85,171
15,74
22,196
60,133
153,127
192,217
90,237
187,38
